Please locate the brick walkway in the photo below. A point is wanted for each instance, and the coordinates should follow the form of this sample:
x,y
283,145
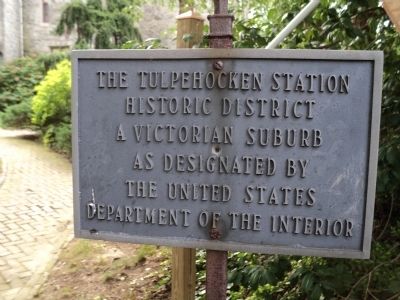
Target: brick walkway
x,y
35,213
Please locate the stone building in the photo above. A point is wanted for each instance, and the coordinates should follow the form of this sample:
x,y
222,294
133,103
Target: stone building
x,y
27,27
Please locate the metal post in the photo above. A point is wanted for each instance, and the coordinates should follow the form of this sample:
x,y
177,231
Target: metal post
x,y
216,265
216,274
220,26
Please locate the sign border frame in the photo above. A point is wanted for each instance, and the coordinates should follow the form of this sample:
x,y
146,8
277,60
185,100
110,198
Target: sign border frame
x,y
376,57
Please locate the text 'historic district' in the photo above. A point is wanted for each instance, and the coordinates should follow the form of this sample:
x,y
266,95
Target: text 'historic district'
x,y
273,152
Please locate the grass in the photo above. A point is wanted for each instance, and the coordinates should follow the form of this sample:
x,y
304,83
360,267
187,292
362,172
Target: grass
x,y
66,292
78,252
115,271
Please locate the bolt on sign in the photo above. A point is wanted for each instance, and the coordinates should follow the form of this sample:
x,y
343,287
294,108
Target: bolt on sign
x,y
241,150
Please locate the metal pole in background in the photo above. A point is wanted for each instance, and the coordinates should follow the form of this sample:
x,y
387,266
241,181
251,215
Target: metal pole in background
x,y
293,24
216,261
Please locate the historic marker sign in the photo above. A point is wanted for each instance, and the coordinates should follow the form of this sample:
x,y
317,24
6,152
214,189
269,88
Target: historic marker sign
x,y
249,150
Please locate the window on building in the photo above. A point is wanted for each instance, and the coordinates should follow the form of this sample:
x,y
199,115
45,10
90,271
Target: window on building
x,y
45,11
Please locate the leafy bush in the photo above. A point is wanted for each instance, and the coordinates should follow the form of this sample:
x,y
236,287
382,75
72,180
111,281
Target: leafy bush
x,y
51,107
50,60
105,28
17,82
51,103
335,24
17,115
59,138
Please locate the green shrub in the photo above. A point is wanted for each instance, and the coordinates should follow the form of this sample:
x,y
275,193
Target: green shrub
x,y
335,24
51,104
17,82
17,115
51,107
59,138
50,60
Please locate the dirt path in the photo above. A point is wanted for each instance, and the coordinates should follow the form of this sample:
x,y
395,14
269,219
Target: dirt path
x,y
35,213
114,271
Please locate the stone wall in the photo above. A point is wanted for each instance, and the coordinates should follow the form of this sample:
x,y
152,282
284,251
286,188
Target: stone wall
x,y
1,30
25,31
12,45
39,34
158,22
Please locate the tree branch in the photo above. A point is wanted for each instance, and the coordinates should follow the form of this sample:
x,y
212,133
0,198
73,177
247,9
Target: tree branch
x,y
372,295
366,290
395,296
388,219
370,272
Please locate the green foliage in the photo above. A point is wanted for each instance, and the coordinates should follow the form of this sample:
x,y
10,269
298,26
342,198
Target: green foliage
x,y
98,25
51,103
254,277
51,107
151,43
48,60
17,82
335,24
310,278
200,274
342,24
17,115
252,270
59,137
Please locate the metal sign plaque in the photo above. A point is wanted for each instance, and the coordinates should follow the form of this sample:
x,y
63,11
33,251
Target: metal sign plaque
x,y
241,150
